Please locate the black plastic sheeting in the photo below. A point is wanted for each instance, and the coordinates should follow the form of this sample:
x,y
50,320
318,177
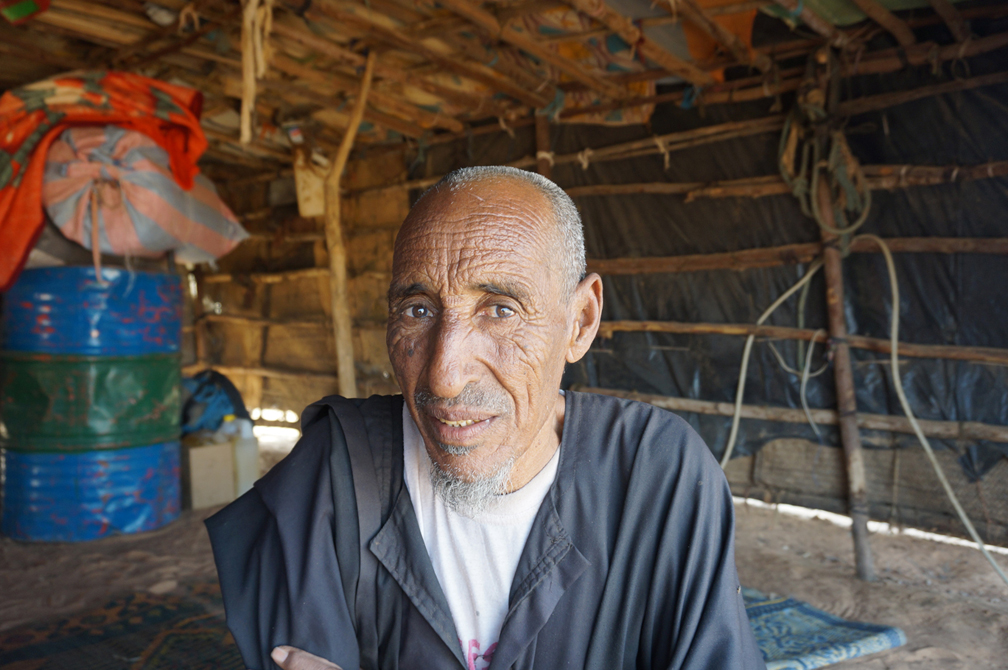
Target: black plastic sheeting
x,y
945,299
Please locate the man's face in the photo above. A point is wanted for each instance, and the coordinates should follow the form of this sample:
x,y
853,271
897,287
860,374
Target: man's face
x,y
479,323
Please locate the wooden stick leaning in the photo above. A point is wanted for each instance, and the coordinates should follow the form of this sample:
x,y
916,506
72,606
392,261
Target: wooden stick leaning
x,y
342,320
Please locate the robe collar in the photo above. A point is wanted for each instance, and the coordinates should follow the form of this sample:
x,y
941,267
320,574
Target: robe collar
x,y
549,564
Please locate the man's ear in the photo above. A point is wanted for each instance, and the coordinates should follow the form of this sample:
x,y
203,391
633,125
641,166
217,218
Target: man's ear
x,y
587,304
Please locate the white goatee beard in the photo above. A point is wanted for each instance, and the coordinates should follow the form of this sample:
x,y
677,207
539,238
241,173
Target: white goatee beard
x,y
470,498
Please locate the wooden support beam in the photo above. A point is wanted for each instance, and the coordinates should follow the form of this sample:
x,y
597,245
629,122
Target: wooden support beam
x,y
789,254
989,355
699,17
521,39
632,35
952,18
940,430
896,26
279,373
843,376
544,160
342,321
398,38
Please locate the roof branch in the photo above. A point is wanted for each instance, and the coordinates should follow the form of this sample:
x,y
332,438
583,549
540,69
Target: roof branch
x,y
952,18
632,35
696,15
882,16
521,39
496,81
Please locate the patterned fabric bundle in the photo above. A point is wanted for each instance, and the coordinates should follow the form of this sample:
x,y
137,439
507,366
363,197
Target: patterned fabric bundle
x,y
125,179
33,116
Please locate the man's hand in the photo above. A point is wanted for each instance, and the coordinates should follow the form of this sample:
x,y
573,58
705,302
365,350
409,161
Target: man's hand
x,y
290,658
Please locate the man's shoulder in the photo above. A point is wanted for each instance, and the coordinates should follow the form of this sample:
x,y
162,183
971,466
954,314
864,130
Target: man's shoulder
x,y
635,424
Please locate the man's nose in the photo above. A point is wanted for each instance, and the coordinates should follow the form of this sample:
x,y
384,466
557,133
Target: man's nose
x,y
451,365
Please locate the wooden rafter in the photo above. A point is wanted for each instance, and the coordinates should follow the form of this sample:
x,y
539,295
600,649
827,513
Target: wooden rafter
x,y
696,15
332,50
632,35
521,39
393,104
882,16
450,62
817,23
952,18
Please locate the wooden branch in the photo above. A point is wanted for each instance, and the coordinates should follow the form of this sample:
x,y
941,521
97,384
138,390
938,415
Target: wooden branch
x,y
266,277
397,123
874,102
952,18
510,34
476,71
817,23
989,355
281,373
789,254
699,17
941,430
342,321
632,35
878,177
896,26
354,59
396,106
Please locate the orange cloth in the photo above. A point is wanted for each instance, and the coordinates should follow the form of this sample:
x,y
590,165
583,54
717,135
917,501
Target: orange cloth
x,y
33,116
703,48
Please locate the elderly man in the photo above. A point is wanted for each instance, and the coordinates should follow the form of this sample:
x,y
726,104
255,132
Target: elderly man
x,y
485,518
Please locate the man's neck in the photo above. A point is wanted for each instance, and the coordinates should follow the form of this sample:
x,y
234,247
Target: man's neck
x,y
542,450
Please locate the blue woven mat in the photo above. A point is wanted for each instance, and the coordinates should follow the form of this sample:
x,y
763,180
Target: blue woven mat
x,y
796,636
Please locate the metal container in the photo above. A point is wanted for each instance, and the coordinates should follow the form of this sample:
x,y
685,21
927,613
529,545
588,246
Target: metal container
x,y
85,496
64,310
82,403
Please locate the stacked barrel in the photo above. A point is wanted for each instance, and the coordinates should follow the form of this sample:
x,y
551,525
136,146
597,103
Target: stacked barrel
x,y
89,403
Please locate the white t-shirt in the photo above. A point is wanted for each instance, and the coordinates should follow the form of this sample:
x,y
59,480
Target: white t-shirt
x,y
474,558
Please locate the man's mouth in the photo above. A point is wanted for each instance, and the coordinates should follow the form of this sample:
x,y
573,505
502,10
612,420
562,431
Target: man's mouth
x,y
458,424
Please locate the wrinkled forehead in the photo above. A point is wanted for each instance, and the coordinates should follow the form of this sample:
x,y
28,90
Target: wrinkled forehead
x,y
486,227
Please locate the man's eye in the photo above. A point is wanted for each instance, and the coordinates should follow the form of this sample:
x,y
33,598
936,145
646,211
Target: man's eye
x,y
501,311
418,311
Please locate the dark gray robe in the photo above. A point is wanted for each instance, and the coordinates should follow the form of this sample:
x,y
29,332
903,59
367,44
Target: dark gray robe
x,y
630,562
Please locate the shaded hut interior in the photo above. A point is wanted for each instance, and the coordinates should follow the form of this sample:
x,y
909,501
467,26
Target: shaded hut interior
x,y
677,128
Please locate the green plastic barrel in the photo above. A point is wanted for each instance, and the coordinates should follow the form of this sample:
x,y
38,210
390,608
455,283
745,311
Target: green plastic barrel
x,y
81,403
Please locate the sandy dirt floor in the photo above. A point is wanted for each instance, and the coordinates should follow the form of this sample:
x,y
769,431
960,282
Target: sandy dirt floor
x,y
947,599
949,602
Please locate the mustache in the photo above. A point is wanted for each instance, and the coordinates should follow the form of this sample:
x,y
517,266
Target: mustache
x,y
475,397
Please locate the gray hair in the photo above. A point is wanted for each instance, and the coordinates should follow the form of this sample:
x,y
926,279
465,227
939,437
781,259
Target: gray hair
x,y
565,213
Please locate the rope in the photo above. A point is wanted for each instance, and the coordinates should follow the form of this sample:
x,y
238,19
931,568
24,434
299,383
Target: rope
x,y
257,24
810,144
663,149
740,391
584,158
505,127
188,16
898,385
546,156
804,384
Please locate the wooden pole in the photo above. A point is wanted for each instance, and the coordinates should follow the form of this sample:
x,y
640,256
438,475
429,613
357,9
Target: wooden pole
x,y
342,321
951,352
544,163
941,430
843,375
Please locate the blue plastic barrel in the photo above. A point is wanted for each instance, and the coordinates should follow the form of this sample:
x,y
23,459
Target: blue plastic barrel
x,y
89,495
64,310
